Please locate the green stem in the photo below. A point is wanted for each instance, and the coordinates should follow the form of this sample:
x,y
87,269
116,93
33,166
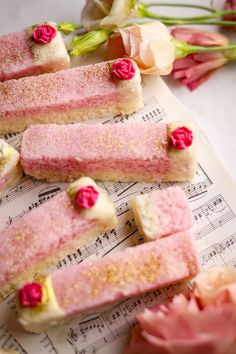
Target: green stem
x,y
206,23
179,21
143,9
182,49
199,49
152,4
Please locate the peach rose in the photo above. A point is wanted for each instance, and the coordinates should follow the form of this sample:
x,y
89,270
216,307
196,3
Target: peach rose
x,y
150,45
200,322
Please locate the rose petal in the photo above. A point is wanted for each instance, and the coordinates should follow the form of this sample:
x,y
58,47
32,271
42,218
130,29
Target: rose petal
x,y
201,38
115,47
209,284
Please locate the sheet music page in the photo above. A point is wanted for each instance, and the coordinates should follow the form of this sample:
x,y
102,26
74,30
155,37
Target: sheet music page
x,y
212,196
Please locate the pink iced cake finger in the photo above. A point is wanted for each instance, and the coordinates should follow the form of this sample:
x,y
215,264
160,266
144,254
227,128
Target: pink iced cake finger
x,y
99,90
45,235
162,212
35,50
10,167
93,284
124,152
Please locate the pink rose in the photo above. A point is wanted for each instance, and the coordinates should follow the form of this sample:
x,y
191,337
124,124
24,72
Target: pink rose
x,y
195,69
181,138
150,45
186,326
86,197
31,295
198,37
124,69
44,34
230,5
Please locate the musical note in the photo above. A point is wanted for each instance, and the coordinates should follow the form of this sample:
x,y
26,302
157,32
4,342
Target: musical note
x,y
152,112
99,329
43,195
8,341
196,189
102,245
221,253
117,188
13,139
211,215
47,344
25,185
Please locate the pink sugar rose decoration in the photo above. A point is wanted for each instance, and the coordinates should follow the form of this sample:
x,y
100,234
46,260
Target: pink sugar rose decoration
x,y
86,197
181,138
44,34
31,295
200,322
124,69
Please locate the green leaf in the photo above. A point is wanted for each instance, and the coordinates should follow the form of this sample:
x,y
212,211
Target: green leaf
x,y
68,27
88,42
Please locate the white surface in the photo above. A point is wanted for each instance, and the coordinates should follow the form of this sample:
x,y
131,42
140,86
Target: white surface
x,y
212,105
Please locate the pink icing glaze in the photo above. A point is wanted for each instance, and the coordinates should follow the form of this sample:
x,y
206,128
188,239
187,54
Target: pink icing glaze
x,y
86,197
132,148
81,87
124,69
40,234
16,58
44,34
181,138
173,212
31,295
124,274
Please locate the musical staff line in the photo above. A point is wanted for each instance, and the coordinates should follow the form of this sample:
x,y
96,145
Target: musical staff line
x,y
25,185
48,344
102,245
197,188
220,253
212,215
151,112
43,195
13,139
7,341
115,322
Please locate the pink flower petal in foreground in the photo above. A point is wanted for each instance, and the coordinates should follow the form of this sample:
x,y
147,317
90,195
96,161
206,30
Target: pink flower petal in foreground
x,y
195,69
200,322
